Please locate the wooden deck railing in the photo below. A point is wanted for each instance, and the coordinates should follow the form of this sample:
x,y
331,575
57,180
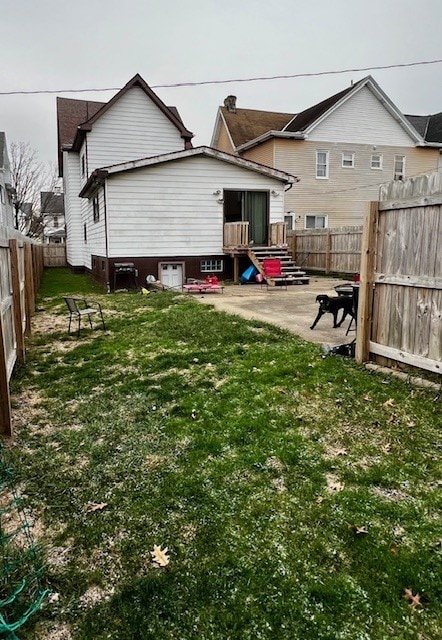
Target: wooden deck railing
x,y
277,234
236,235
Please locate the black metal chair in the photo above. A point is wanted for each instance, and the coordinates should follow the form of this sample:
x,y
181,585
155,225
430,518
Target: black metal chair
x,y
79,308
355,288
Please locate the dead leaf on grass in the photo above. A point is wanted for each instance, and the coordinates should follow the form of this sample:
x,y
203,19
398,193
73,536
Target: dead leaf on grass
x,y
95,506
159,556
359,531
333,484
388,403
413,600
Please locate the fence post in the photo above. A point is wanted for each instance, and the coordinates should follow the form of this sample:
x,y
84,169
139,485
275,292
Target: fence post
x,y
5,401
365,304
328,252
29,286
16,301
294,248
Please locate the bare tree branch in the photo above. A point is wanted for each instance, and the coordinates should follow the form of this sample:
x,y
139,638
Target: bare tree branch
x,y
29,176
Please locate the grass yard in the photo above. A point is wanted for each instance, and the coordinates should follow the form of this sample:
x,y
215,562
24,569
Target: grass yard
x,y
298,495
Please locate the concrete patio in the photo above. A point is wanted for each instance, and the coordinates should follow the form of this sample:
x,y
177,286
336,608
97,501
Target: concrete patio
x,y
294,309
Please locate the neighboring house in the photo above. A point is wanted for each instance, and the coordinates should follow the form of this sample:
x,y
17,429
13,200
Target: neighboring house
x,y
341,149
52,211
136,191
6,190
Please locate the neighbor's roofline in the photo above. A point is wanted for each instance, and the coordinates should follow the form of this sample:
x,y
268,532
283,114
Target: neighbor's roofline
x,y
296,135
220,119
99,175
372,85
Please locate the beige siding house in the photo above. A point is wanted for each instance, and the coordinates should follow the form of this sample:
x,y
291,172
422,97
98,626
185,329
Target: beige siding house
x,y
341,149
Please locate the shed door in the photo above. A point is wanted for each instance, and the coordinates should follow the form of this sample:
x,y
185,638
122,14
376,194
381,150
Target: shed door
x,y
171,275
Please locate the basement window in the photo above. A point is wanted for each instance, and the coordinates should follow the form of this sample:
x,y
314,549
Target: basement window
x,y
211,266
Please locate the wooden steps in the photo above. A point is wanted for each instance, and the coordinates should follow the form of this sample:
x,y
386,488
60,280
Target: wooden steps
x,y
292,273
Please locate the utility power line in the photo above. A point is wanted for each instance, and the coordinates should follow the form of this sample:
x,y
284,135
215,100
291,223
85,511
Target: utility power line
x,y
230,80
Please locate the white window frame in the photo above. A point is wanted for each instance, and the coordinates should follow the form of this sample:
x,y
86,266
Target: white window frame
x,y
399,175
381,160
316,216
96,208
326,165
289,220
348,156
212,266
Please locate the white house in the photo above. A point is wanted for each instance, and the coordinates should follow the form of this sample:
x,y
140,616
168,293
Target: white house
x,y
6,189
52,211
137,192
341,149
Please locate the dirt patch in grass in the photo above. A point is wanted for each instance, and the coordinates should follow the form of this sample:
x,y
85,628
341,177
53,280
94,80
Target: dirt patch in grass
x,y
43,323
27,408
94,595
53,632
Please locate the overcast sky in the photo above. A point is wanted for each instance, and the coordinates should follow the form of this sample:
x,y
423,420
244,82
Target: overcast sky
x,y
82,44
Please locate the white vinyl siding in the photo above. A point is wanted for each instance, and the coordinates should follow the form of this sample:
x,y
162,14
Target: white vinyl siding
x,y
73,208
96,242
322,164
133,128
361,119
173,210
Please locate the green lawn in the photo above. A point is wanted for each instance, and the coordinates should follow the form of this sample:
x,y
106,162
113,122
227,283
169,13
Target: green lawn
x,y
298,495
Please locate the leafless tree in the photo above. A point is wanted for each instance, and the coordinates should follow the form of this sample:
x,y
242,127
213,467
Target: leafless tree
x,y
30,176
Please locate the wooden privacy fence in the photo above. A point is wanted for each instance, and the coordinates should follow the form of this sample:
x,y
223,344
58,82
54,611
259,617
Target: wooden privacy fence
x,y
328,250
21,267
400,298
54,255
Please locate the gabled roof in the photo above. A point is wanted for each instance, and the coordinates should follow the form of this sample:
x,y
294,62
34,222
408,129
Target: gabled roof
x,y
98,176
247,124
307,117
77,117
263,125
310,118
136,81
